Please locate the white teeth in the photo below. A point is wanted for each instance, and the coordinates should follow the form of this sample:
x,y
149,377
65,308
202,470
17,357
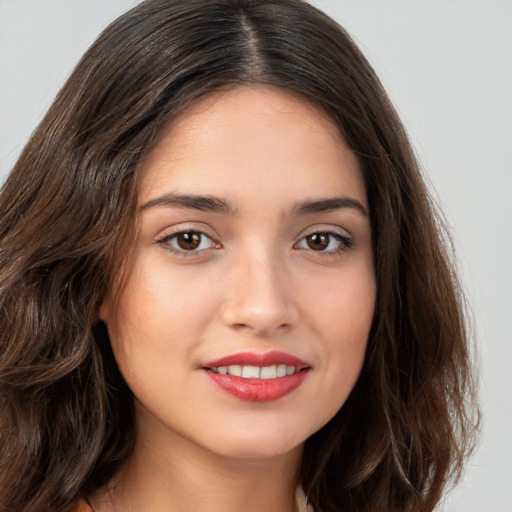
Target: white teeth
x,y
269,372
256,372
235,370
251,372
281,370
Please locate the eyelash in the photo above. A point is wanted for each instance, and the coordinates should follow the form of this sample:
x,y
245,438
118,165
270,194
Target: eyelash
x,y
345,242
167,238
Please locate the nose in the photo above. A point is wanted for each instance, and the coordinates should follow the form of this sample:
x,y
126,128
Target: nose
x,y
259,295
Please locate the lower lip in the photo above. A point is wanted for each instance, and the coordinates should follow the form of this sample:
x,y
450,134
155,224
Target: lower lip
x,y
257,390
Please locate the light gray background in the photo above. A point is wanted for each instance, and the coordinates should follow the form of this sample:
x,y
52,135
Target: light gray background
x,y
448,68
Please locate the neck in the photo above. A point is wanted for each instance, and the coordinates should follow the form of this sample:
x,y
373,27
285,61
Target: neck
x,y
180,475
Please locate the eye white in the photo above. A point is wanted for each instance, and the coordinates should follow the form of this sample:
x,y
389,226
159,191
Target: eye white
x,y
334,242
190,241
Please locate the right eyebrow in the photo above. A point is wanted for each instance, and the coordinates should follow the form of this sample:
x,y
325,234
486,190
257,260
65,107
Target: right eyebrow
x,y
330,204
193,202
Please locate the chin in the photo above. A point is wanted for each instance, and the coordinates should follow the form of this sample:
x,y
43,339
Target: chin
x,y
256,451
266,443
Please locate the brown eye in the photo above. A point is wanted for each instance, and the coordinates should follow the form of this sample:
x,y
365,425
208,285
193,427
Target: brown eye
x,y
326,242
184,242
318,241
188,241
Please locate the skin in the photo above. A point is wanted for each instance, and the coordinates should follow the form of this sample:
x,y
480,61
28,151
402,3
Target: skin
x,y
253,284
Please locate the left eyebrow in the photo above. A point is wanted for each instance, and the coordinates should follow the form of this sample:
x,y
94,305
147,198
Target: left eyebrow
x,y
329,204
192,202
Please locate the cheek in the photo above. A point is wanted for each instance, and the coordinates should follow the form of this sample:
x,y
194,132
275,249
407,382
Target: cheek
x,y
343,320
344,305
160,313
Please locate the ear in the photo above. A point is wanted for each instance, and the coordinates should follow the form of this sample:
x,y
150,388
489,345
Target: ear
x,y
104,311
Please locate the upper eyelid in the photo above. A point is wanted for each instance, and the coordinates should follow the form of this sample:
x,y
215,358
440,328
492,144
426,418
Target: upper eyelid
x,y
212,234
335,234
173,230
328,229
167,236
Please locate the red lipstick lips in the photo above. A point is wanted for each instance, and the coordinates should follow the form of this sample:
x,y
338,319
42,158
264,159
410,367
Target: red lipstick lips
x,y
257,377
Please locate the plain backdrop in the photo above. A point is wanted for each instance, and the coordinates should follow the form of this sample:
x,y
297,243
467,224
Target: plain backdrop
x,y
447,66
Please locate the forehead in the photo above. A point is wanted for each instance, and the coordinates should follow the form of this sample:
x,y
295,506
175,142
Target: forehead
x,y
252,138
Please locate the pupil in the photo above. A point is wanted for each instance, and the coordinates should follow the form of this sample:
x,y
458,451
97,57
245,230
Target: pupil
x,y
189,241
318,241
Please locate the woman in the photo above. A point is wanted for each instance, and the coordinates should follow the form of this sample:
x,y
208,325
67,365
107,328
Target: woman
x,y
223,285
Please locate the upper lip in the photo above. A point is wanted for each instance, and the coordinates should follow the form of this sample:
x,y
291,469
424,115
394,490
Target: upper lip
x,y
257,359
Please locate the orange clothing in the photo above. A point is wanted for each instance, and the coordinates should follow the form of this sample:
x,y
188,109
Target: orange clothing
x,y
80,506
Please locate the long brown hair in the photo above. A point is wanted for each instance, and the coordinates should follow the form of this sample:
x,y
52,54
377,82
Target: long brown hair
x,y
68,220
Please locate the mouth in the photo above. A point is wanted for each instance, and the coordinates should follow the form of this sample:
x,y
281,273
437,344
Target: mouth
x,y
257,372
257,377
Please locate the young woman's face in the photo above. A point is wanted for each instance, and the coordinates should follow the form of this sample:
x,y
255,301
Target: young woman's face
x,y
244,321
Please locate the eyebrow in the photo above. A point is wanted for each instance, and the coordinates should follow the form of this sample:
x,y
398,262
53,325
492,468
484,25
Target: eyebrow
x,y
193,202
219,205
328,205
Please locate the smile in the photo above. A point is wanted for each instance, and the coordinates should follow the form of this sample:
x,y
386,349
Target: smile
x,y
256,372
257,377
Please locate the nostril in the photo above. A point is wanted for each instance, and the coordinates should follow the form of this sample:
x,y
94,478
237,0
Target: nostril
x,y
262,307
260,329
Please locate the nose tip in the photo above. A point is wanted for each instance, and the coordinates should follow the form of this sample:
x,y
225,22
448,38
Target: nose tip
x,y
261,322
259,302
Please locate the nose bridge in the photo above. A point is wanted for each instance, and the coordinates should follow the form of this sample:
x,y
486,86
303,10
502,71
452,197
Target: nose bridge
x,y
258,295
